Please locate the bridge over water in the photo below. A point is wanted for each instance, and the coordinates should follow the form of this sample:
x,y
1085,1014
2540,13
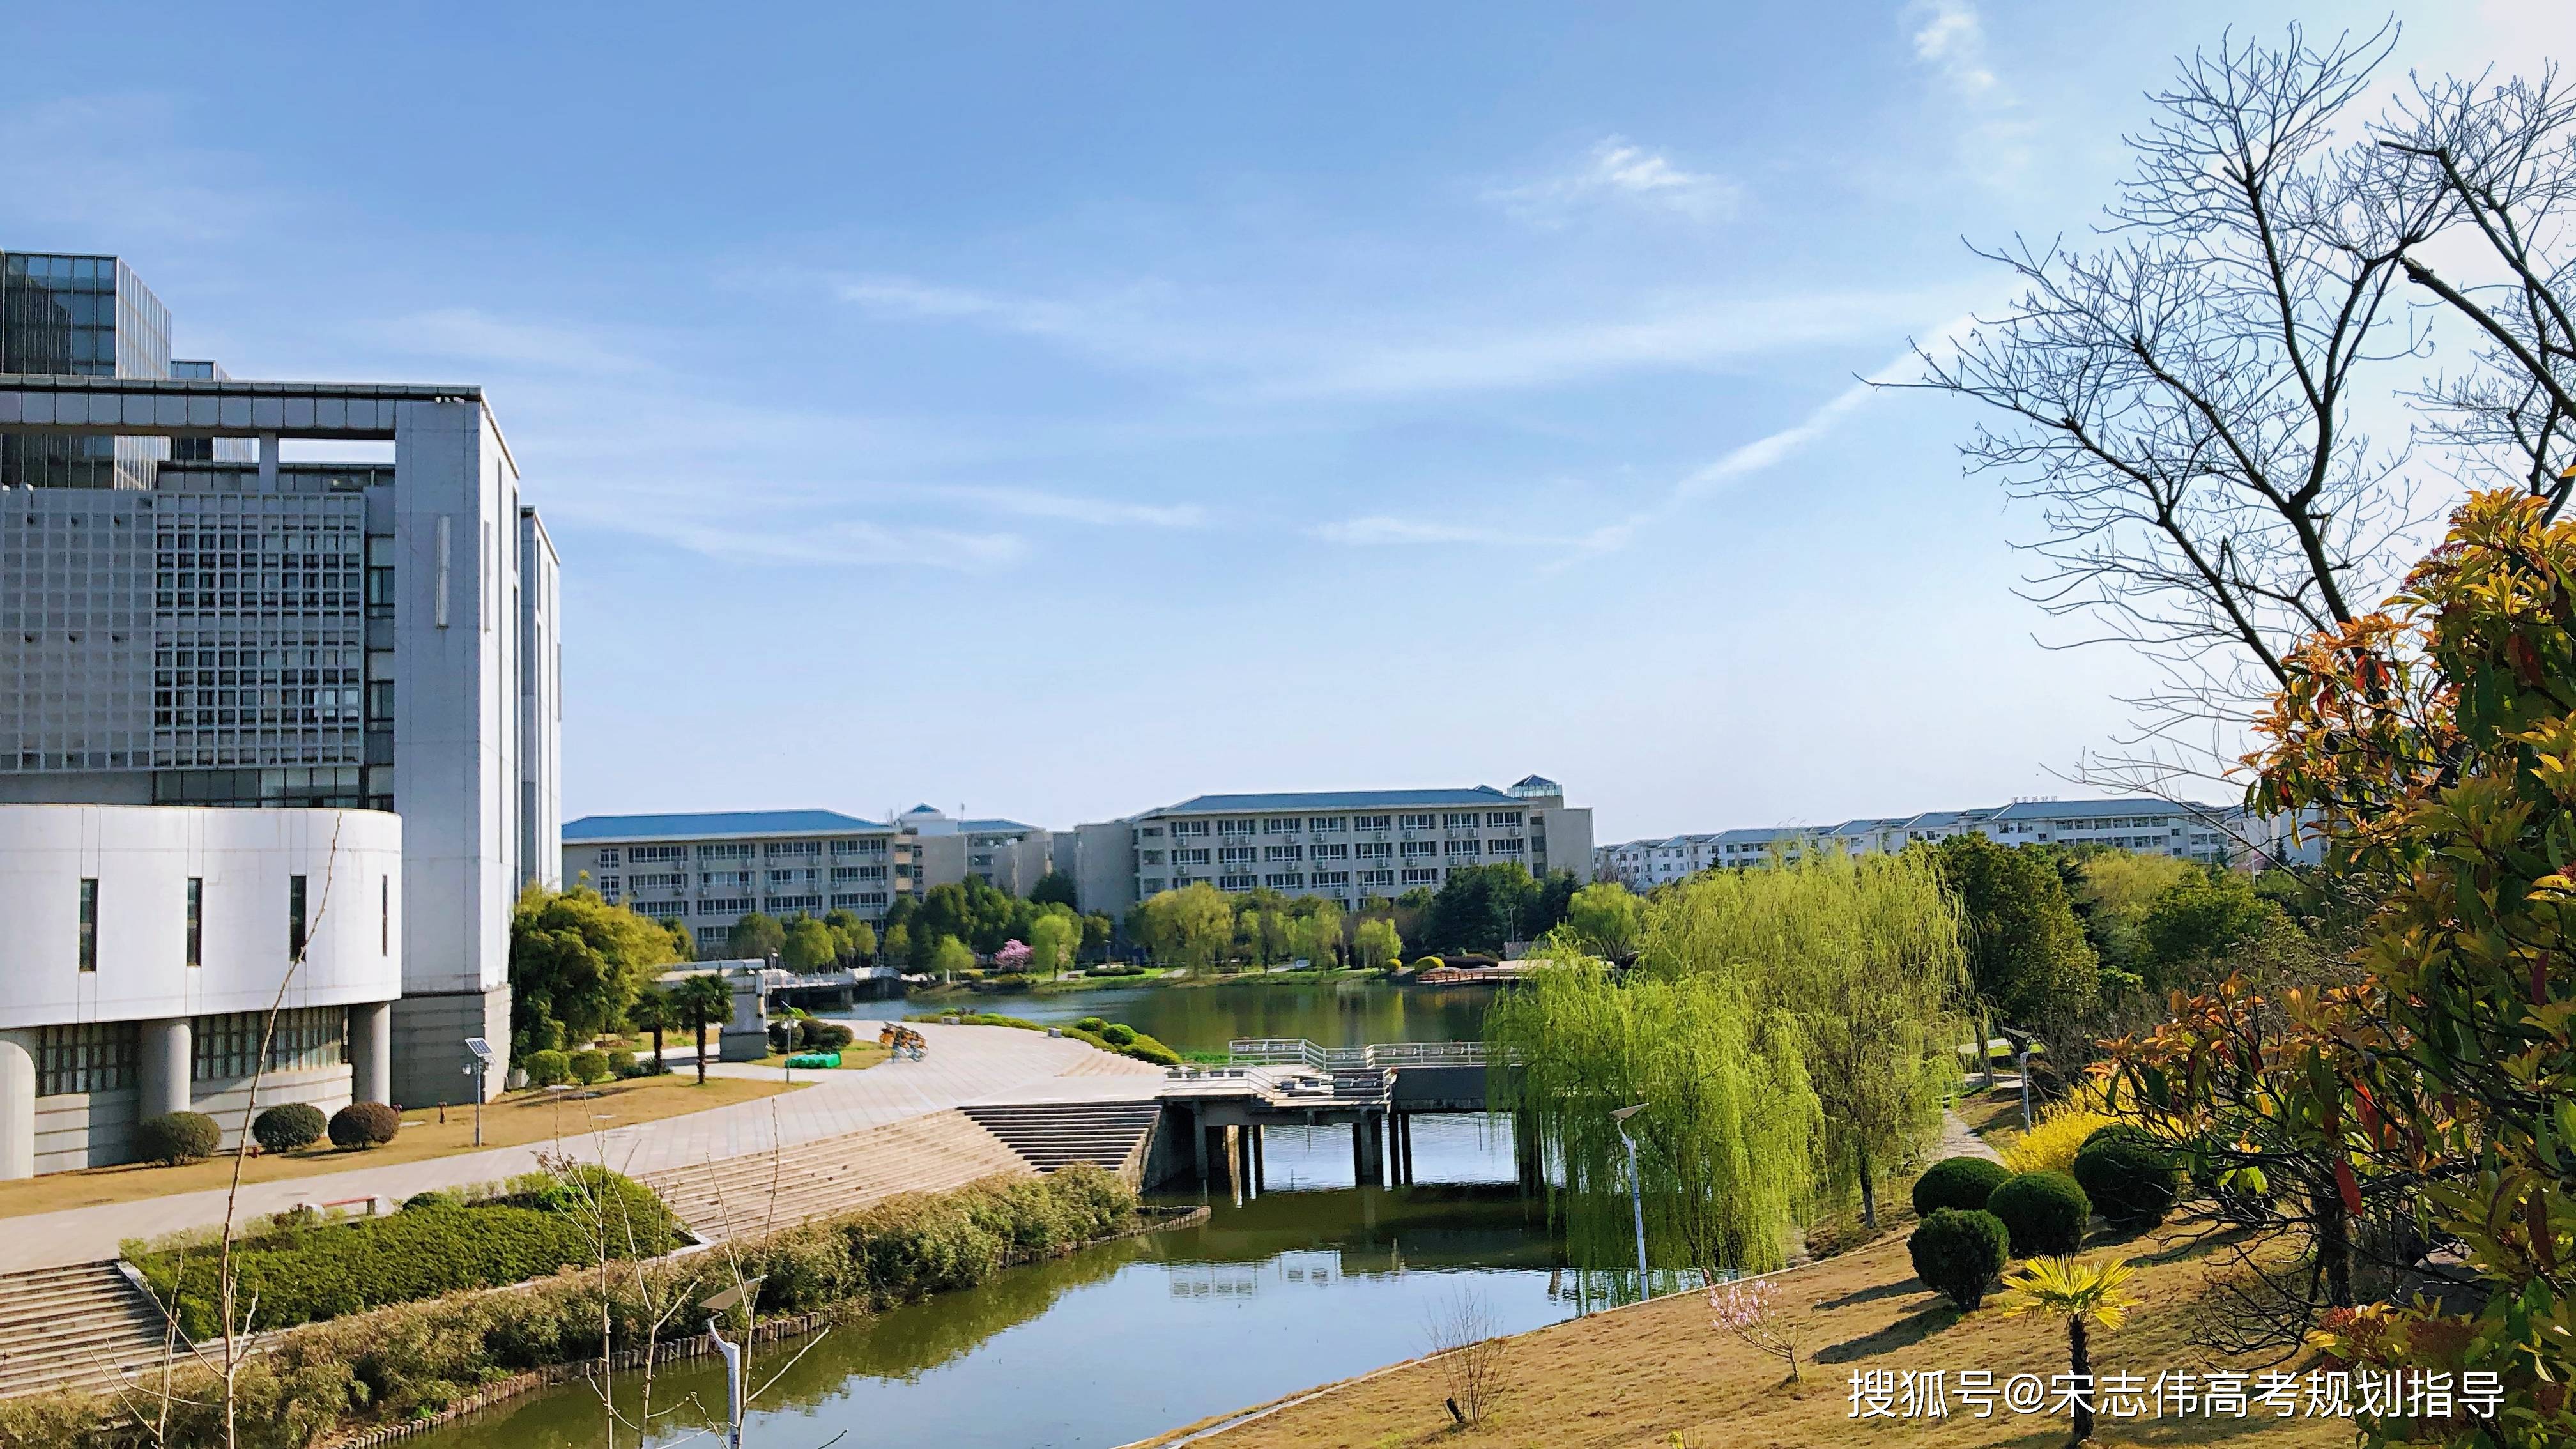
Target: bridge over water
x,y
1218,1111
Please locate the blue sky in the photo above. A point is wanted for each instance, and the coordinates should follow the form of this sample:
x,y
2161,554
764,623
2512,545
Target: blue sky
x,y
1062,410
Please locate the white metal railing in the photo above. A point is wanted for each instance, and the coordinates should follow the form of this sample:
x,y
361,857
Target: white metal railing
x,y
1297,1051
1277,1051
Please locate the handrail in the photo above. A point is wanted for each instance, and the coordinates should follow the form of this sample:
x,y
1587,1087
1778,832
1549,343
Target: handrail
x,y
1297,1051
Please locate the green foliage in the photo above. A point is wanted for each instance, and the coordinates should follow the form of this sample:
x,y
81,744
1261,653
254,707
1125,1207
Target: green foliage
x,y
951,956
2027,955
622,1065
756,937
974,911
1375,946
288,1126
808,946
176,1137
306,1272
363,1125
2132,1183
2045,1211
1118,1035
576,962
1054,889
1479,907
2195,926
548,1068
1958,1252
1092,1024
1054,936
1190,927
1864,955
1957,1182
1606,919
587,1067
1731,1123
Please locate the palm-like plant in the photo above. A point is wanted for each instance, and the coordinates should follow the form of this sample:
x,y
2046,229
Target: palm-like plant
x,y
2081,1293
704,1001
651,1011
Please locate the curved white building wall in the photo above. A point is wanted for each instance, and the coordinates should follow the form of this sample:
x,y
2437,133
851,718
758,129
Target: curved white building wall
x,y
135,1014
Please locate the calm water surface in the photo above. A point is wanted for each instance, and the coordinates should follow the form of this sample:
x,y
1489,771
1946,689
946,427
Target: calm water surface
x,y
1204,1018
1310,1281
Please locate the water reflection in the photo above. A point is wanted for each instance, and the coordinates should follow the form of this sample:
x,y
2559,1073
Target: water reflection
x,y
1204,1018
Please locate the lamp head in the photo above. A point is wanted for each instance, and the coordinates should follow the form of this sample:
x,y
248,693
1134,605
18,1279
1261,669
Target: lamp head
x,y
1623,1114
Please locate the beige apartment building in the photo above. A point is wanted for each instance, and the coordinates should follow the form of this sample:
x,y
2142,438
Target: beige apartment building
x,y
1346,845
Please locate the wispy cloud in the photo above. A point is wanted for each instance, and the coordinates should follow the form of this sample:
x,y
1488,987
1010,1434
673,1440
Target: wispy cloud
x,y
1619,171
107,171
1379,529
1950,40
466,334
1071,508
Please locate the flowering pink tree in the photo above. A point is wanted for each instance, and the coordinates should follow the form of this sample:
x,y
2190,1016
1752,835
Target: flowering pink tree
x,y
1762,1318
1014,956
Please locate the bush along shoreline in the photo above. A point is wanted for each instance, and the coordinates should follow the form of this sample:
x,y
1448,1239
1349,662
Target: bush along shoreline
x,y
330,1380
1114,1037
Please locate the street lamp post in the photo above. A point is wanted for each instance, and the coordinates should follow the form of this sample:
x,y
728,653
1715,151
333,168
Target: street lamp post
x,y
482,1052
1636,1188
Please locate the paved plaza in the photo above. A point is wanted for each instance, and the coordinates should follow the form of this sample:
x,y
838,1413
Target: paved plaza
x,y
966,1064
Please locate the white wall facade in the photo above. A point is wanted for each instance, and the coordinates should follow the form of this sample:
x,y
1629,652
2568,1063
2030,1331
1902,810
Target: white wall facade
x,y
129,970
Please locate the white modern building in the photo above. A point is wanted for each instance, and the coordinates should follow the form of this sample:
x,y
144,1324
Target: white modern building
x,y
1002,853
145,946
188,618
1347,845
710,869
2209,834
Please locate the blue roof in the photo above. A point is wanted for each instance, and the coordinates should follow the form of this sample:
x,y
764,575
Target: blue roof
x,y
1336,800
1001,826
714,823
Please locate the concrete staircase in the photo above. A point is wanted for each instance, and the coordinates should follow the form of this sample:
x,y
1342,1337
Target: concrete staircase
x,y
80,1326
1114,1135
931,1153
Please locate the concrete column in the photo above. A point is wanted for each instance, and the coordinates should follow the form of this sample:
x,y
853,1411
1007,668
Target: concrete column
x,y
1249,1184
371,1052
162,1070
1359,1150
1260,1174
268,452
17,1110
1198,1144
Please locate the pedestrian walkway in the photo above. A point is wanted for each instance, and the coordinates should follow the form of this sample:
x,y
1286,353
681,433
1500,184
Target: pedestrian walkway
x,y
1958,1140
965,1064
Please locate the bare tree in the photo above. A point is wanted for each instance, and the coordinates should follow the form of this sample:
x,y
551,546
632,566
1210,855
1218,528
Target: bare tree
x,y
2180,400
2504,157
1471,1357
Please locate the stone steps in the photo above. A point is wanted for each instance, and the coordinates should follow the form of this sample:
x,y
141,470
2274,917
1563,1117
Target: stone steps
x,y
1113,1135
747,1195
79,1326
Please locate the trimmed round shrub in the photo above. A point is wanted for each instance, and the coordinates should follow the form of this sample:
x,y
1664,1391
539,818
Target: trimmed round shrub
x,y
621,1065
176,1137
1092,1024
2116,1132
364,1124
1957,1182
831,1036
432,1198
1957,1253
587,1067
288,1126
2044,1211
546,1068
2132,1184
1118,1034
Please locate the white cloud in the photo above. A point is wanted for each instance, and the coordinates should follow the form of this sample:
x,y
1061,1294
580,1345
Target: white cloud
x,y
104,172
1379,529
1952,40
1618,170
1038,503
790,539
466,334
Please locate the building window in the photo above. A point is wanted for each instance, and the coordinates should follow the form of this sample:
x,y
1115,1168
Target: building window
x,y
660,910
89,925
609,856
196,921
1284,824
1234,827
1196,856
1414,875
227,1046
645,854
1422,821
725,906
1328,824
1415,848
1235,882
795,847
295,918
1510,818
1371,822
1286,852
1375,849
1288,880
384,916
1458,847
725,852
96,1057
1182,827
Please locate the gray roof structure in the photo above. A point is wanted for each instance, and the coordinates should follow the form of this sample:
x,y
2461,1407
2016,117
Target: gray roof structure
x,y
709,825
1480,795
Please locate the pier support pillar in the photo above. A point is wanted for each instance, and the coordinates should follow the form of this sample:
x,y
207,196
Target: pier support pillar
x,y
1404,1148
1198,1144
1260,1169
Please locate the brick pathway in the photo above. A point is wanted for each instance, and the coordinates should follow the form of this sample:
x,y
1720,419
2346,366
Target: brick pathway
x,y
965,1064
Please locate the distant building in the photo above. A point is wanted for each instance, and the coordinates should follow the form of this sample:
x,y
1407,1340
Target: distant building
x,y
711,869
2211,835
1350,846
1002,853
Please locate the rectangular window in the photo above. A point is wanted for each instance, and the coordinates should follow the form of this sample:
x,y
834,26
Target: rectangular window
x,y
609,856
1285,852
661,910
1235,882
97,1057
295,918
1328,824
1287,880
1414,848
1459,847
1423,821
89,925
645,854
384,916
1377,877
1375,849
227,1046
1459,819
1195,856
1234,855
1234,827
1332,852
1284,824
1372,822
1418,876
1332,877
1183,827
1509,818
196,921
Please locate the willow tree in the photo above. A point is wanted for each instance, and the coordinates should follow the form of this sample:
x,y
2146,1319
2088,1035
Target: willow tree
x,y
1731,1123
1865,955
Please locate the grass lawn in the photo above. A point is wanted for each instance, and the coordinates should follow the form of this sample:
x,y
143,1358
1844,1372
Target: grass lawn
x,y
514,1120
1657,1376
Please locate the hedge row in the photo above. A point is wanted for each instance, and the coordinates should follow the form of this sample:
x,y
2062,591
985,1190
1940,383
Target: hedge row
x,y
326,1380
300,1271
1102,1034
